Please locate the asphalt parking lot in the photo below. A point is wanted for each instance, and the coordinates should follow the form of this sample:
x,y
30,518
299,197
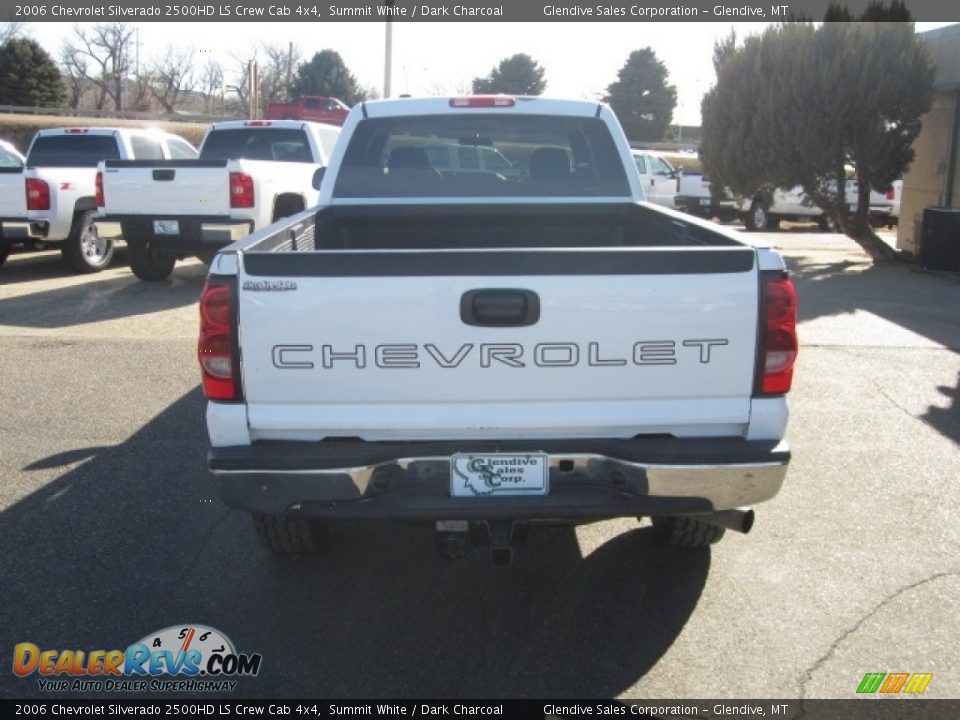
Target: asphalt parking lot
x,y
110,527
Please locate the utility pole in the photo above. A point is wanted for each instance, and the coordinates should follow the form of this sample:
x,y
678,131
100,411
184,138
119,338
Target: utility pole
x,y
253,90
388,51
289,70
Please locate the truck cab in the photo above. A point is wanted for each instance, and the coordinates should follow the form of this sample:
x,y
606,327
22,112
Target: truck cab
x,y
658,177
309,107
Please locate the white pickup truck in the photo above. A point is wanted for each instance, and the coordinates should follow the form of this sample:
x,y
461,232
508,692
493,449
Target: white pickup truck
x,y
660,180
248,174
483,352
764,212
61,187
697,197
13,201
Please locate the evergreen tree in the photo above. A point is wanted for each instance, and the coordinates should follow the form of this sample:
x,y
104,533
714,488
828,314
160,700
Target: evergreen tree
x,y
28,75
641,97
326,74
896,11
518,74
800,104
837,13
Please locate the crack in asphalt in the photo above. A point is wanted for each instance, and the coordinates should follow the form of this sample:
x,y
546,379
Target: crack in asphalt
x,y
188,567
849,349
893,402
808,673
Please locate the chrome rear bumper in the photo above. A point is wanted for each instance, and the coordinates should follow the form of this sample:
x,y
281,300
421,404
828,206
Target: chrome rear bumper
x,y
619,478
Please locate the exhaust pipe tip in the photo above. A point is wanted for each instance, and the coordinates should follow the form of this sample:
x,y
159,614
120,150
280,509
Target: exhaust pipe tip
x,y
738,519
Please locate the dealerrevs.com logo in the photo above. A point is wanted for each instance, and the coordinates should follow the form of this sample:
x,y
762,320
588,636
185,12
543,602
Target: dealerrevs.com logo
x,y
180,658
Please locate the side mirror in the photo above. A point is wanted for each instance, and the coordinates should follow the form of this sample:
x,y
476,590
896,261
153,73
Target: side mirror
x,y
318,177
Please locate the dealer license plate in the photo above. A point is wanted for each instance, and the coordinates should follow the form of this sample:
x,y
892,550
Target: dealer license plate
x,y
166,227
484,475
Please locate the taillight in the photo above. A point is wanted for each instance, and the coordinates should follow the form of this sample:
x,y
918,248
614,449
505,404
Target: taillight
x,y
483,101
779,346
38,194
98,193
890,193
217,348
258,123
241,190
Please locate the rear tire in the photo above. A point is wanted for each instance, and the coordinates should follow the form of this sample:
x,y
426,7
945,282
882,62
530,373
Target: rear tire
x,y
686,532
757,218
826,224
206,256
84,250
285,534
4,252
148,263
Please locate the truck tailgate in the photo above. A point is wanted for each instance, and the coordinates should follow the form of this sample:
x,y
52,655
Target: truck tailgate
x,y
156,188
453,344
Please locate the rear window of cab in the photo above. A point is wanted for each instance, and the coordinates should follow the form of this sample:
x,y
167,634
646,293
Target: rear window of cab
x,y
481,155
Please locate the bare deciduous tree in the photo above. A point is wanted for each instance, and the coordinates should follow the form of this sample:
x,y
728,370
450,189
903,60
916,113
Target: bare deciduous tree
x,y
171,77
210,84
240,86
74,72
10,30
276,71
275,67
103,57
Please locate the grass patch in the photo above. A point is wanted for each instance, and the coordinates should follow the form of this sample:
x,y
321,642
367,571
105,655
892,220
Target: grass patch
x,y
20,129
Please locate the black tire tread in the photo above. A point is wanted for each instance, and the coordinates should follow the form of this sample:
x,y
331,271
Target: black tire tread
x,y
284,534
147,266
748,219
687,532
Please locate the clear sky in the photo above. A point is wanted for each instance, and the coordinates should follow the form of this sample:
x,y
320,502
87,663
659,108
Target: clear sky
x,y
580,59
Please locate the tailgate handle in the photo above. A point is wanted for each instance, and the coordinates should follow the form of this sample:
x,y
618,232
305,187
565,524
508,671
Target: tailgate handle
x,y
497,307
163,175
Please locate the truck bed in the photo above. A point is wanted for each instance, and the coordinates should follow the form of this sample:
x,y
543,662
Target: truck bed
x,y
476,226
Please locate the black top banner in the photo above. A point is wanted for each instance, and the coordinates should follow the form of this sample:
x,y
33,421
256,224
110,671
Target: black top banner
x,y
663,709
445,11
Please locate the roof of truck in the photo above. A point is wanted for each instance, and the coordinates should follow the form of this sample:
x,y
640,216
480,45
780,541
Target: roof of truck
x,y
519,104
101,131
279,124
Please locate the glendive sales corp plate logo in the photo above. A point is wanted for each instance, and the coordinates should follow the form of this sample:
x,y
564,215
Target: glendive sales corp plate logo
x,y
180,658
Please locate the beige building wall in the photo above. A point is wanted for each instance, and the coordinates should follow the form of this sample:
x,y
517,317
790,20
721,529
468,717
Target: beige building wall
x,y
926,181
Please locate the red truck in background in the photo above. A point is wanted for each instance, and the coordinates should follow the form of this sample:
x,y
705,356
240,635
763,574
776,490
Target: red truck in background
x,y
309,107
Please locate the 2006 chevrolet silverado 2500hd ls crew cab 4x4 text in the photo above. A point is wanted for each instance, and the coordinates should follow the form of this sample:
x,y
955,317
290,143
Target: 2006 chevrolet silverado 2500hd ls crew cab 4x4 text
x,y
484,352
